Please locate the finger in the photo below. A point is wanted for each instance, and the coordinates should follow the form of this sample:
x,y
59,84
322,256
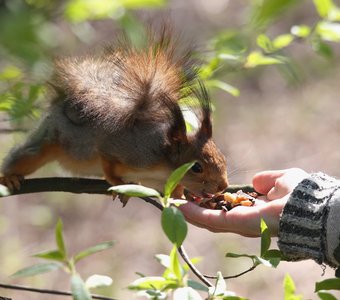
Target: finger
x,y
264,181
240,220
278,192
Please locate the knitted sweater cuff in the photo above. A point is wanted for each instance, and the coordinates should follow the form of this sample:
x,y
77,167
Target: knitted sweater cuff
x,y
309,226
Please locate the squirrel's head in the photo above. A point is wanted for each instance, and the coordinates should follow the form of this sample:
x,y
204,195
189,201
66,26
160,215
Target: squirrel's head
x,y
209,173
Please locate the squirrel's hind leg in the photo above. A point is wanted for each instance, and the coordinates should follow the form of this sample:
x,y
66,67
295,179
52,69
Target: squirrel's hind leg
x,y
26,158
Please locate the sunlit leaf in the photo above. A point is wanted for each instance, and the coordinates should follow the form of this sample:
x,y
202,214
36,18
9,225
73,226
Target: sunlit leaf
x,y
60,239
78,288
37,269
175,178
136,4
10,72
174,225
82,10
97,281
329,31
289,289
163,259
265,237
220,286
134,190
301,31
151,283
175,265
93,250
223,86
282,41
186,293
256,58
265,43
323,7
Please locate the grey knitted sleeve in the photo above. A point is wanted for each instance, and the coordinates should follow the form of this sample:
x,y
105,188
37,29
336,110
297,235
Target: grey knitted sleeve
x,y
310,221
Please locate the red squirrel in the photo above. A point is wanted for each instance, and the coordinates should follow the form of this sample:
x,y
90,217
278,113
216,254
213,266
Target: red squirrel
x,y
117,115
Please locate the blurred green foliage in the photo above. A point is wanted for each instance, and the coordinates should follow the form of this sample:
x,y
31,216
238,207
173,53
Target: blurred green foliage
x,y
34,31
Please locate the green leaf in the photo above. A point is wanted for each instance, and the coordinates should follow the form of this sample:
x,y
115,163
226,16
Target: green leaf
x,y
4,191
37,269
323,7
328,31
51,255
265,43
273,256
328,284
175,178
93,250
282,41
326,296
60,239
137,4
78,288
97,281
151,283
197,285
10,73
134,190
323,49
175,265
174,225
265,237
163,259
223,86
289,289
268,10
220,287
256,58
186,293
301,31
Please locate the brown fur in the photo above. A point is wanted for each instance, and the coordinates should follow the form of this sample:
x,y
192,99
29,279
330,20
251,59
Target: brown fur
x,y
119,113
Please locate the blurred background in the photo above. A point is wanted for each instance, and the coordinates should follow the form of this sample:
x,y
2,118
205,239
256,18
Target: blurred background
x,y
273,72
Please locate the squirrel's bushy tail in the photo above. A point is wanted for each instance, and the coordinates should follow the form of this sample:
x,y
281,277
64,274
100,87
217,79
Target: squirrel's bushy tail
x,y
127,85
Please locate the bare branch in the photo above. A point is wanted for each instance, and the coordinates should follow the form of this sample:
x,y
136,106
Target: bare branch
x,y
44,291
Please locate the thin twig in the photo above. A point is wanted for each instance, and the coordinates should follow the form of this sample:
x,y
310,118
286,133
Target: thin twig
x,y
44,291
233,276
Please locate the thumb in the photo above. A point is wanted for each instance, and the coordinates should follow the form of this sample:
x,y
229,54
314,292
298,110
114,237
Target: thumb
x,y
264,181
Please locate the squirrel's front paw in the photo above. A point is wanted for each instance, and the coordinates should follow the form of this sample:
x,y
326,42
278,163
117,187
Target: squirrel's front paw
x,y
12,181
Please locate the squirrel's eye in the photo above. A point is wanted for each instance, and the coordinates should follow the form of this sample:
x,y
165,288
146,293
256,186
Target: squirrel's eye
x,y
197,168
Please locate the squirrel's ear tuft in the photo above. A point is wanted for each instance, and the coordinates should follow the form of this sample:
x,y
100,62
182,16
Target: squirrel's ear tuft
x,y
202,95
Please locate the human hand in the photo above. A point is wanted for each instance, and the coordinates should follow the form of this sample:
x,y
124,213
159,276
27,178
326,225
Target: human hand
x,y
276,187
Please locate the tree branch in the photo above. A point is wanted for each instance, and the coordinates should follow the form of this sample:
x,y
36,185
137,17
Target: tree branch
x,y
44,291
82,185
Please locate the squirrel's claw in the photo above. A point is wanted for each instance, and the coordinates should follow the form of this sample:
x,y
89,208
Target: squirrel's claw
x,y
12,181
122,198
